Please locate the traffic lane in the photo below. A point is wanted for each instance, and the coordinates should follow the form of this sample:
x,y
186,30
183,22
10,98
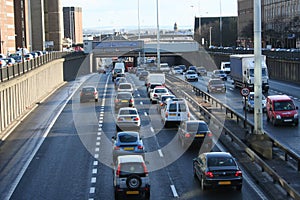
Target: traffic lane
x,y
181,167
61,166
281,87
16,150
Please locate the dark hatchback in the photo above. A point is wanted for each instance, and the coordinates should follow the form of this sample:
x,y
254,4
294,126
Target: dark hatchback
x,y
217,169
88,93
195,131
124,99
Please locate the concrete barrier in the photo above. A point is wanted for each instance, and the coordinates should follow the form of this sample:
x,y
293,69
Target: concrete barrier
x,y
20,94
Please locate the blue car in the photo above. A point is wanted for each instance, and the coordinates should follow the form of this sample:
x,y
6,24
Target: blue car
x,y
127,143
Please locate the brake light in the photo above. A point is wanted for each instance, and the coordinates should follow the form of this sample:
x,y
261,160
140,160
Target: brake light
x,y
167,114
120,119
136,119
145,169
140,147
238,173
209,134
209,174
155,95
131,100
188,115
187,135
116,148
118,170
116,101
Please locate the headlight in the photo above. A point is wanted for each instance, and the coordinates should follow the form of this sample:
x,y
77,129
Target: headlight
x,y
296,116
278,117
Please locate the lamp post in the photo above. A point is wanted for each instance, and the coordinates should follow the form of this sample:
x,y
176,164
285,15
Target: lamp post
x,y
221,38
158,37
210,36
139,27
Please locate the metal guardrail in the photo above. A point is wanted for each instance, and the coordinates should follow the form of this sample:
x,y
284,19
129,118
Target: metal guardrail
x,y
10,72
254,157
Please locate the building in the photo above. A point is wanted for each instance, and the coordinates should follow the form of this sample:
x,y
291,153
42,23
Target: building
x,y
7,27
73,24
280,23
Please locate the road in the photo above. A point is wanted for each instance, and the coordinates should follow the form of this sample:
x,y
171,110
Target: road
x,y
74,160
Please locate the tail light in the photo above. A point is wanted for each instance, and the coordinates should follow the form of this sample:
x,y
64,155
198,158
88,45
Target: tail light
x,y
120,119
131,100
188,115
140,147
167,114
209,134
209,174
116,101
187,135
155,95
118,170
116,147
238,173
145,169
161,104
136,119
95,93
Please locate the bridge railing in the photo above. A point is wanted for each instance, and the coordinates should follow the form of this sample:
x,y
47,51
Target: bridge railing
x,y
9,72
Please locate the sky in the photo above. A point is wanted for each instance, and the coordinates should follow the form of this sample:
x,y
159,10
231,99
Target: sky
x,y
118,14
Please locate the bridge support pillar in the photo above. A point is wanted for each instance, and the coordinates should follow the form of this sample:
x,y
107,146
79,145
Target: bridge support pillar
x,y
261,144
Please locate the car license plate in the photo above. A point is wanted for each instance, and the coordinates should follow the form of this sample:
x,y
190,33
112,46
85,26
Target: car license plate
x,y
224,182
124,101
172,114
128,118
288,120
128,148
132,192
199,135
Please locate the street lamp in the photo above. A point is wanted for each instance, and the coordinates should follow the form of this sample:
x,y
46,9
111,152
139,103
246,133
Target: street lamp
x,y
210,36
158,37
221,25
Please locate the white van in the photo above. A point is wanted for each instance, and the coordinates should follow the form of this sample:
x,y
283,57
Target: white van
x,y
118,71
225,66
175,111
155,78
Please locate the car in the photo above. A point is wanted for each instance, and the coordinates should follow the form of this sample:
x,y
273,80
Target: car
x,y
219,74
28,56
88,93
175,111
152,86
156,93
131,178
201,71
119,80
34,54
143,75
124,99
192,67
183,67
138,71
128,119
177,70
9,61
249,106
125,87
162,101
191,75
127,143
195,131
2,63
118,71
217,169
164,67
216,85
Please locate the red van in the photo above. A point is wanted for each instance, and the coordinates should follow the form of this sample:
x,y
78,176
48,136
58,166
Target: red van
x,y
282,110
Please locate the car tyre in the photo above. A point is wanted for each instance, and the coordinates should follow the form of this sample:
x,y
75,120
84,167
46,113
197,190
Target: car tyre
x,y
203,187
238,188
133,182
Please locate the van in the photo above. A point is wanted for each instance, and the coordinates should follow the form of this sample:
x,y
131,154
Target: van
x,y
281,110
225,66
155,78
175,111
118,71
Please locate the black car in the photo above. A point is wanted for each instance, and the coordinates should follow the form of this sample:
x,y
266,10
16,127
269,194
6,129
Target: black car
x,y
217,169
195,131
88,93
124,99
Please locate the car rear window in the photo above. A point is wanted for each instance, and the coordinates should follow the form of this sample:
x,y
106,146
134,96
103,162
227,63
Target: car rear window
x,y
118,71
181,107
128,112
216,82
124,96
196,127
220,161
125,86
129,168
161,91
173,107
127,138
88,89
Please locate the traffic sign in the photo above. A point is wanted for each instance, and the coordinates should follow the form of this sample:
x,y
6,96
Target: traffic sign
x,y
245,91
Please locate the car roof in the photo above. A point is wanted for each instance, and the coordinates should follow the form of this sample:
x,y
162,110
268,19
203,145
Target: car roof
x,y
89,87
130,159
279,97
218,154
127,108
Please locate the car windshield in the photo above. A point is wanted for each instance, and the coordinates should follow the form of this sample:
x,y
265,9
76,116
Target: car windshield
x,y
118,70
220,161
88,89
126,138
216,82
196,127
128,112
284,105
191,72
124,96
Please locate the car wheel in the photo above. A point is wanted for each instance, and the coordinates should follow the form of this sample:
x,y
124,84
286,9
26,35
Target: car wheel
x,y
203,187
166,124
147,195
194,171
296,123
133,182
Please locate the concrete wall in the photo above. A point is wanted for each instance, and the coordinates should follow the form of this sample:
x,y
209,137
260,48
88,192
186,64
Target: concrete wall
x,y
19,94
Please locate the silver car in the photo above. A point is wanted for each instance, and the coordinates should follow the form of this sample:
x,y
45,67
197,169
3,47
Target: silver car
x,y
128,118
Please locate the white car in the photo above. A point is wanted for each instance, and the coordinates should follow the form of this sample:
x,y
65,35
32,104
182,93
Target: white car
x,y
125,87
128,118
157,92
191,75
177,70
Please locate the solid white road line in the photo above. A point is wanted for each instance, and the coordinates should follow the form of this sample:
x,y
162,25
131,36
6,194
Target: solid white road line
x,y
174,191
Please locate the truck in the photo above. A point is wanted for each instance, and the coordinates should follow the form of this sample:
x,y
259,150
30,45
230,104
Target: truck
x,y
242,71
